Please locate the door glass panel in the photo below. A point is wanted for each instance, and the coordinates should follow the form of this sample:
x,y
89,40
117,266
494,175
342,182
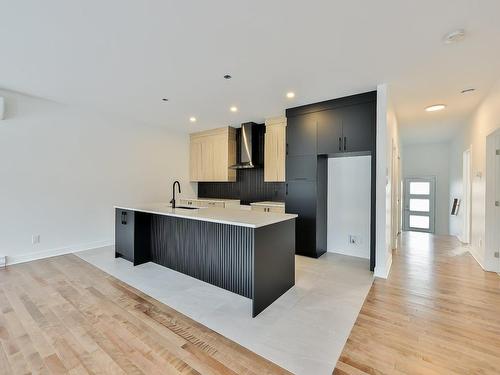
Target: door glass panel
x,y
420,205
419,222
420,188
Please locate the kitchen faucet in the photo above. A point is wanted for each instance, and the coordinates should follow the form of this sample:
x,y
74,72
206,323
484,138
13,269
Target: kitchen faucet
x,y
173,192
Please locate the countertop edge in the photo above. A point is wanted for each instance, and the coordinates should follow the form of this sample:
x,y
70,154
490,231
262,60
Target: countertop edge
x,y
208,219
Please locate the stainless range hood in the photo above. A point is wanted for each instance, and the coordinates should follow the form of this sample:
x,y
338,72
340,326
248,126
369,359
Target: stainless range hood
x,y
249,146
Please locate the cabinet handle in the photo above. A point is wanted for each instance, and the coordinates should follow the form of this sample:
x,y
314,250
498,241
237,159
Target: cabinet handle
x,y
124,218
286,189
345,143
340,144
287,148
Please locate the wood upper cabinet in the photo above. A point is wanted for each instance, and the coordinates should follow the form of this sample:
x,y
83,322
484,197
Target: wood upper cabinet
x,y
275,150
212,152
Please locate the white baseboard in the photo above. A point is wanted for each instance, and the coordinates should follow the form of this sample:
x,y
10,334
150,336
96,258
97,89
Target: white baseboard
x,y
55,252
383,272
477,257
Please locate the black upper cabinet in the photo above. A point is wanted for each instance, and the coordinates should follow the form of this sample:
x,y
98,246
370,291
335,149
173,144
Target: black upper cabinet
x,y
358,127
330,139
301,135
347,129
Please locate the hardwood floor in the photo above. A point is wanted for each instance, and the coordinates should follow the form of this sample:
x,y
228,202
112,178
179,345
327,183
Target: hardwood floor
x,y
62,315
438,313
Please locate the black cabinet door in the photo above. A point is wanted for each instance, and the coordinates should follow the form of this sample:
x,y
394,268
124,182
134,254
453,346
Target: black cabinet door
x,y
358,127
301,168
300,199
124,234
330,139
301,135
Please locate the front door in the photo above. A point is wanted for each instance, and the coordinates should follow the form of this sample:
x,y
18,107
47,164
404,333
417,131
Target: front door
x,y
419,205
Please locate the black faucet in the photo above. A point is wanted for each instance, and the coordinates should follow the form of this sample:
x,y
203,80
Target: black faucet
x,y
173,192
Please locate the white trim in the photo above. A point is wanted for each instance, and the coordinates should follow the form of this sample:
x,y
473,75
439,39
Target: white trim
x,y
477,258
58,251
383,272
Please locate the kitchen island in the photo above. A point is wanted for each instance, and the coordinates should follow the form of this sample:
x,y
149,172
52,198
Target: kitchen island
x,y
246,252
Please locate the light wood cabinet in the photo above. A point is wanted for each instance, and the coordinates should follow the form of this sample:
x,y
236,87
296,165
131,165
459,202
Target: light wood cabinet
x,y
212,152
263,207
275,150
204,202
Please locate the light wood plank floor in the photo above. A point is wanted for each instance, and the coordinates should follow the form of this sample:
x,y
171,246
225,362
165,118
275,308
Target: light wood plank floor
x,y
438,313
62,315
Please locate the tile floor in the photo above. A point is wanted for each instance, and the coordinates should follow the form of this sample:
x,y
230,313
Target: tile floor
x,y
304,331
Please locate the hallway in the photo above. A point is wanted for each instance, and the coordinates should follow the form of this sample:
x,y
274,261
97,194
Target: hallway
x,y
437,313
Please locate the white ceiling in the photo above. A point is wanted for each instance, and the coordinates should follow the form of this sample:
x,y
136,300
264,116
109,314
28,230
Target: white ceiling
x,y
123,56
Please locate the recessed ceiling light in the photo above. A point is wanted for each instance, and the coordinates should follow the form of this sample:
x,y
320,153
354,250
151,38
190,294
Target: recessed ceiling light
x,y
436,107
192,119
233,109
290,95
454,36
467,91
165,99
227,76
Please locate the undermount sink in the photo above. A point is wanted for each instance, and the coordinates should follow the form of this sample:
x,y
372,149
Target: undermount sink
x,y
186,208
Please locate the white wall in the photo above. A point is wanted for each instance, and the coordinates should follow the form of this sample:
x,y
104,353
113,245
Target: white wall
x,y
456,183
431,159
485,120
349,187
62,170
388,143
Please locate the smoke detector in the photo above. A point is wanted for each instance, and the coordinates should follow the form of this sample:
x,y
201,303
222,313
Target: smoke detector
x,y
454,36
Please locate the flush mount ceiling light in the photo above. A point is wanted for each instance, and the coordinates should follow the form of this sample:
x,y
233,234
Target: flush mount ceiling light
x,y
233,109
227,76
192,119
454,36
467,91
290,95
435,107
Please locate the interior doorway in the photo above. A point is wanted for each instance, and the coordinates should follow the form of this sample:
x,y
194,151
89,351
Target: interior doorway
x,y
419,204
467,196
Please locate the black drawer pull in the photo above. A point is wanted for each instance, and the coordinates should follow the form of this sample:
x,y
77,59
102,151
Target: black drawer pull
x,y
345,143
340,144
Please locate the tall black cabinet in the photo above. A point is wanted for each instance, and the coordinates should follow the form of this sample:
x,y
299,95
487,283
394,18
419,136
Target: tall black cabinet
x,y
315,132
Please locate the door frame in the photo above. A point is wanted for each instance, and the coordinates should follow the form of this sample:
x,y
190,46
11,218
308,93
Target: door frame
x,y
466,195
432,203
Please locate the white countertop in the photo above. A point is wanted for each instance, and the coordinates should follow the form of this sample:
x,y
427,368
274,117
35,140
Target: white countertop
x,y
268,203
244,218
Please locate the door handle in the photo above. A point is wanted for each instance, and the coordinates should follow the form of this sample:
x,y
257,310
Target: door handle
x,y
340,143
345,143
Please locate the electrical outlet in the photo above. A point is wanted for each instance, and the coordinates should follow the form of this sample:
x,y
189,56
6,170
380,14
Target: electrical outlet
x,y
35,239
497,254
353,240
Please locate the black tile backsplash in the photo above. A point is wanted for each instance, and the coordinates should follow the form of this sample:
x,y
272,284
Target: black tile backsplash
x,y
249,187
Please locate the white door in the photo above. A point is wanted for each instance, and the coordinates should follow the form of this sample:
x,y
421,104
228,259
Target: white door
x,y
466,197
419,204
497,198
